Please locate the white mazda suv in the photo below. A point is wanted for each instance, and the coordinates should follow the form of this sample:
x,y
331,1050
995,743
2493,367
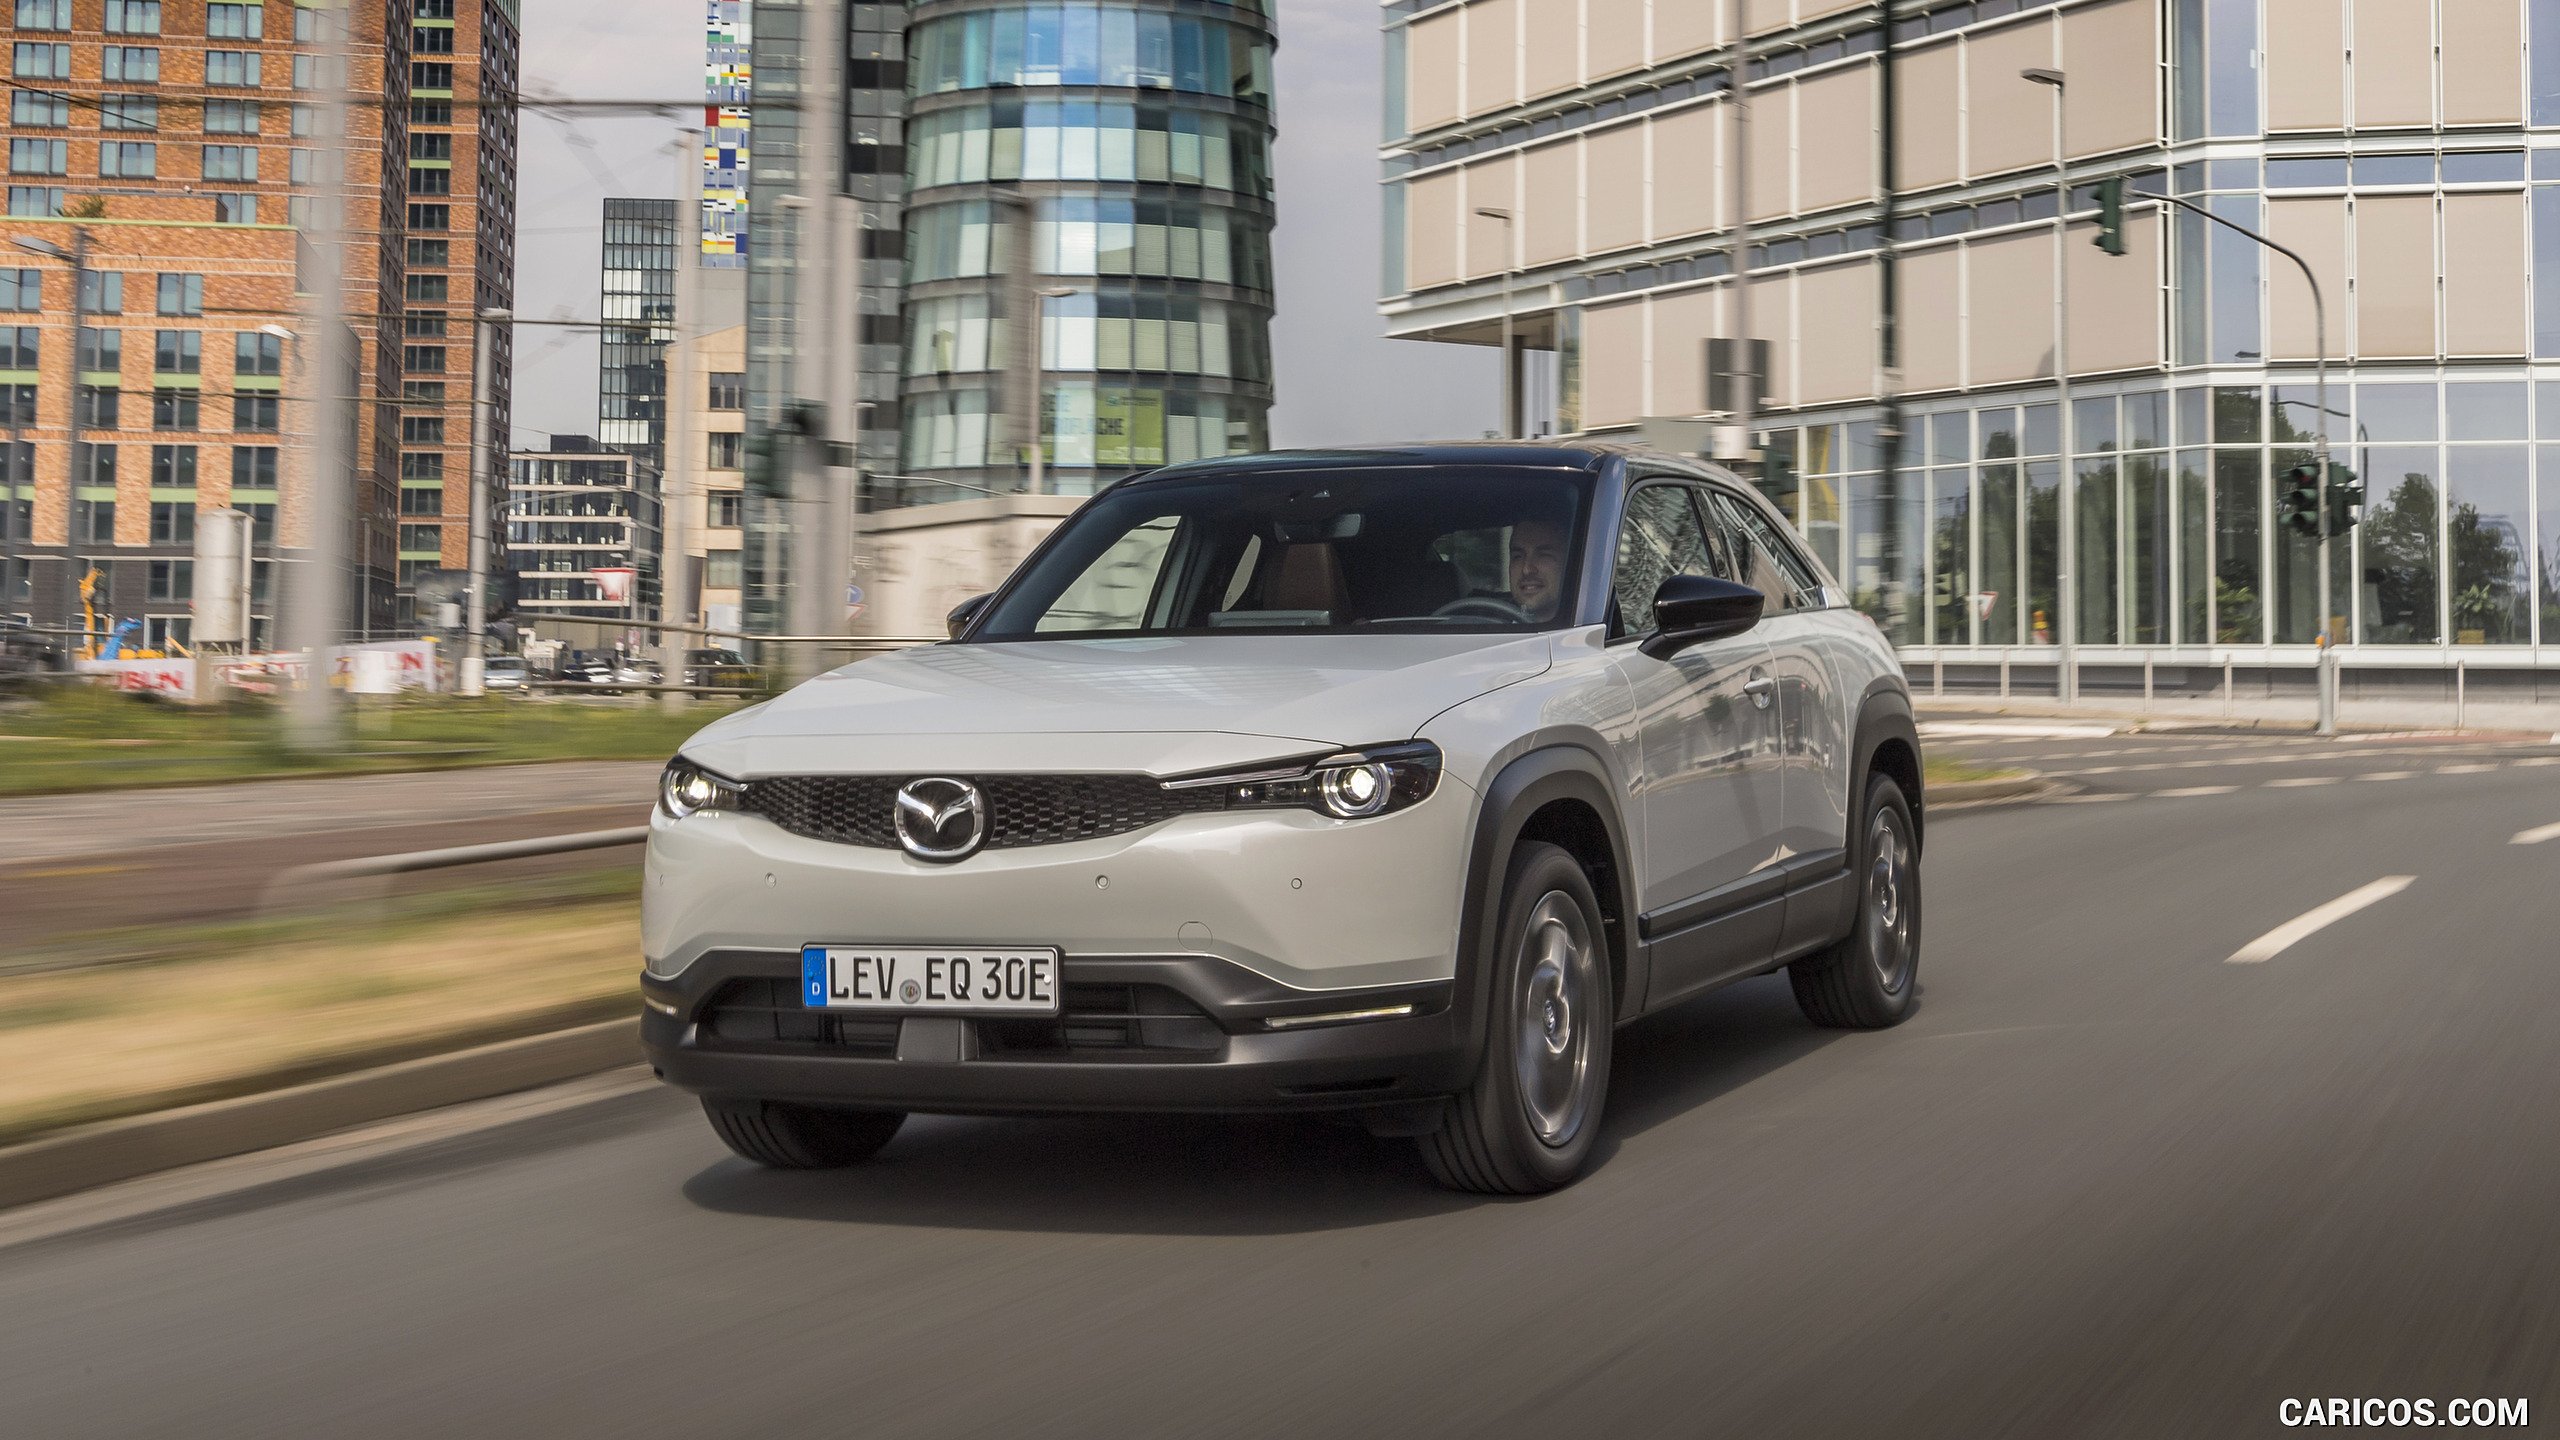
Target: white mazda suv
x,y
1385,781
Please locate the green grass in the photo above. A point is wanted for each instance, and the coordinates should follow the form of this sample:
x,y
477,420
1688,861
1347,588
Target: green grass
x,y
75,737
1955,770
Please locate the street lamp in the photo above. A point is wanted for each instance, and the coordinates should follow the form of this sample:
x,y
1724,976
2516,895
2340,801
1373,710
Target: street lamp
x,y
1510,373
2066,601
1039,373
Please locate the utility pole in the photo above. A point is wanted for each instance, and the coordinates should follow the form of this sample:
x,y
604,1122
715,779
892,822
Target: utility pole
x,y
1040,379
2066,602
1736,446
484,417
676,579
314,616
1511,426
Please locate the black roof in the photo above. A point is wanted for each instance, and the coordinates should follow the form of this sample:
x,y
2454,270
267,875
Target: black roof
x,y
1542,454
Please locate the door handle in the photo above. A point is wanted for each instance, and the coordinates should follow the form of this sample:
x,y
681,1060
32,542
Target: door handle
x,y
1760,689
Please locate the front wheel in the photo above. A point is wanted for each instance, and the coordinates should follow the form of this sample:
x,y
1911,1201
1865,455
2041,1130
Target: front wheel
x,y
1870,979
800,1137
1527,1123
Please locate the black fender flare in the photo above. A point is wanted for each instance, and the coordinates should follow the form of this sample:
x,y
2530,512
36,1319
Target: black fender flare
x,y
1518,791
1885,714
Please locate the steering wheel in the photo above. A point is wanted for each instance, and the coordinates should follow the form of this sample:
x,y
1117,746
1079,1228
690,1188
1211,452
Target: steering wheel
x,y
1483,607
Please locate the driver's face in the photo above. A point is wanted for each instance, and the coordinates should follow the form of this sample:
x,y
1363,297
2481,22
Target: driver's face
x,y
1537,567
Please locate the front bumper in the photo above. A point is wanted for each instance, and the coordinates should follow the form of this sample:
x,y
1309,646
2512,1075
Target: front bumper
x,y
1192,1033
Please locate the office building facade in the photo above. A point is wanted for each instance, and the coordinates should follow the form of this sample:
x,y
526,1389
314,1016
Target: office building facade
x,y
576,510
1899,199
638,308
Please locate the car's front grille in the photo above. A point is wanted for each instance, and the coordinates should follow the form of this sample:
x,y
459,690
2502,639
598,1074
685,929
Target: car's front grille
x,y
757,1013
1140,1021
1021,809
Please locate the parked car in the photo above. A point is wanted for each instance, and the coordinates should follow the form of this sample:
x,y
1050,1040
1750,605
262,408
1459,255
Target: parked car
x,y
504,672
1383,781
726,668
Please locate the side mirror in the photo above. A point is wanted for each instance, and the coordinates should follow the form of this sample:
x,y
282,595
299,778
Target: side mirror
x,y
1691,609
964,612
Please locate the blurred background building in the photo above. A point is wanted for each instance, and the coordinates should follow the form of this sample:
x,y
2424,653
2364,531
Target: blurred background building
x,y
179,147
1901,206
583,526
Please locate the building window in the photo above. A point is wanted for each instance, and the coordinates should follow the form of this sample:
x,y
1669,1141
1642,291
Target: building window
x,y
41,62
302,120
430,147
181,294
133,17
172,580
431,289
435,9
235,22
19,347
253,467
94,407
93,464
423,181
39,108
257,353
430,112
235,209
431,40
101,350
428,539
422,392
430,217
422,359
231,67
728,509
420,500
22,290
101,292
422,467
18,406
174,409
40,157
37,201
253,412
93,522
720,569
421,429
423,322
230,162
125,111
431,252
173,466
726,446
129,63
173,522
177,352
128,159
45,14
231,117
424,76
728,390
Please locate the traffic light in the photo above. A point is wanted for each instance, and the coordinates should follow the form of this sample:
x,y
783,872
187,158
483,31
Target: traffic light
x,y
2346,497
2298,500
2110,236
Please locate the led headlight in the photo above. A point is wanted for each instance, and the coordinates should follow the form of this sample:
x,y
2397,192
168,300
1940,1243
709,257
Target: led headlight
x,y
1373,780
684,787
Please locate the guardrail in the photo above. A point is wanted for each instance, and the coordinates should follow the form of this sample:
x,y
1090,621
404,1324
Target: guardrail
x,y
465,855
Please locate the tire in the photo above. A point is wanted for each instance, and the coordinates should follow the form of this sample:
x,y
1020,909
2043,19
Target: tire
x,y
1527,1122
800,1137
1870,979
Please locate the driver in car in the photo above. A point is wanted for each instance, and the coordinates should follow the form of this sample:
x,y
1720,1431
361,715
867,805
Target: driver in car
x,y
1537,567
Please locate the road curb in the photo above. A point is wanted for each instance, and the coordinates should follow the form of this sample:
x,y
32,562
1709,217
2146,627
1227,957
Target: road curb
x,y
113,1150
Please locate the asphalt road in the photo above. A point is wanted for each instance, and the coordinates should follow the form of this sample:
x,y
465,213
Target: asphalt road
x,y
2104,1183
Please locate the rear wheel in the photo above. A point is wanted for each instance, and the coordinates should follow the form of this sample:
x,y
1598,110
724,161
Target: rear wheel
x,y
1869,980
800,1137
1527,1122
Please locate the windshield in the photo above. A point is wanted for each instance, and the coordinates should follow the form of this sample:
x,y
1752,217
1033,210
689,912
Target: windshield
x,y
1429,548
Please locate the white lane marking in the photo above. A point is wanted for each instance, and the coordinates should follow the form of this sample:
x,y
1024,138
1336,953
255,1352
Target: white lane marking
x,y
2306,780
2197,790
2536,835
2388,775
2311,922
2463,769
2538,760
2089,799
2022,732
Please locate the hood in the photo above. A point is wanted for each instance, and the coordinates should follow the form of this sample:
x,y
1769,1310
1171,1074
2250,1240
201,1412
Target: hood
x,y
1161,705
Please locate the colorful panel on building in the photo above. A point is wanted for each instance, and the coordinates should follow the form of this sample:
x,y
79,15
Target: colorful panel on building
x,y
725,72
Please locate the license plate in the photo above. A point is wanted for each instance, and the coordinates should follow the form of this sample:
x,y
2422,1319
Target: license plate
x,y
930,980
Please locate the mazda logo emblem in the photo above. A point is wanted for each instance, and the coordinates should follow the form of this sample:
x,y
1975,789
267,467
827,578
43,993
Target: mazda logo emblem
x,y
941,819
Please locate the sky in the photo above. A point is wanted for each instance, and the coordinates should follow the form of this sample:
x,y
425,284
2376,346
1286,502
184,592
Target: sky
x,y
1336,378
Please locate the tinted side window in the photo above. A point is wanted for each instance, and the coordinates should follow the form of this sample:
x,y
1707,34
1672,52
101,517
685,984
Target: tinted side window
x,y
1662,535
1771,563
